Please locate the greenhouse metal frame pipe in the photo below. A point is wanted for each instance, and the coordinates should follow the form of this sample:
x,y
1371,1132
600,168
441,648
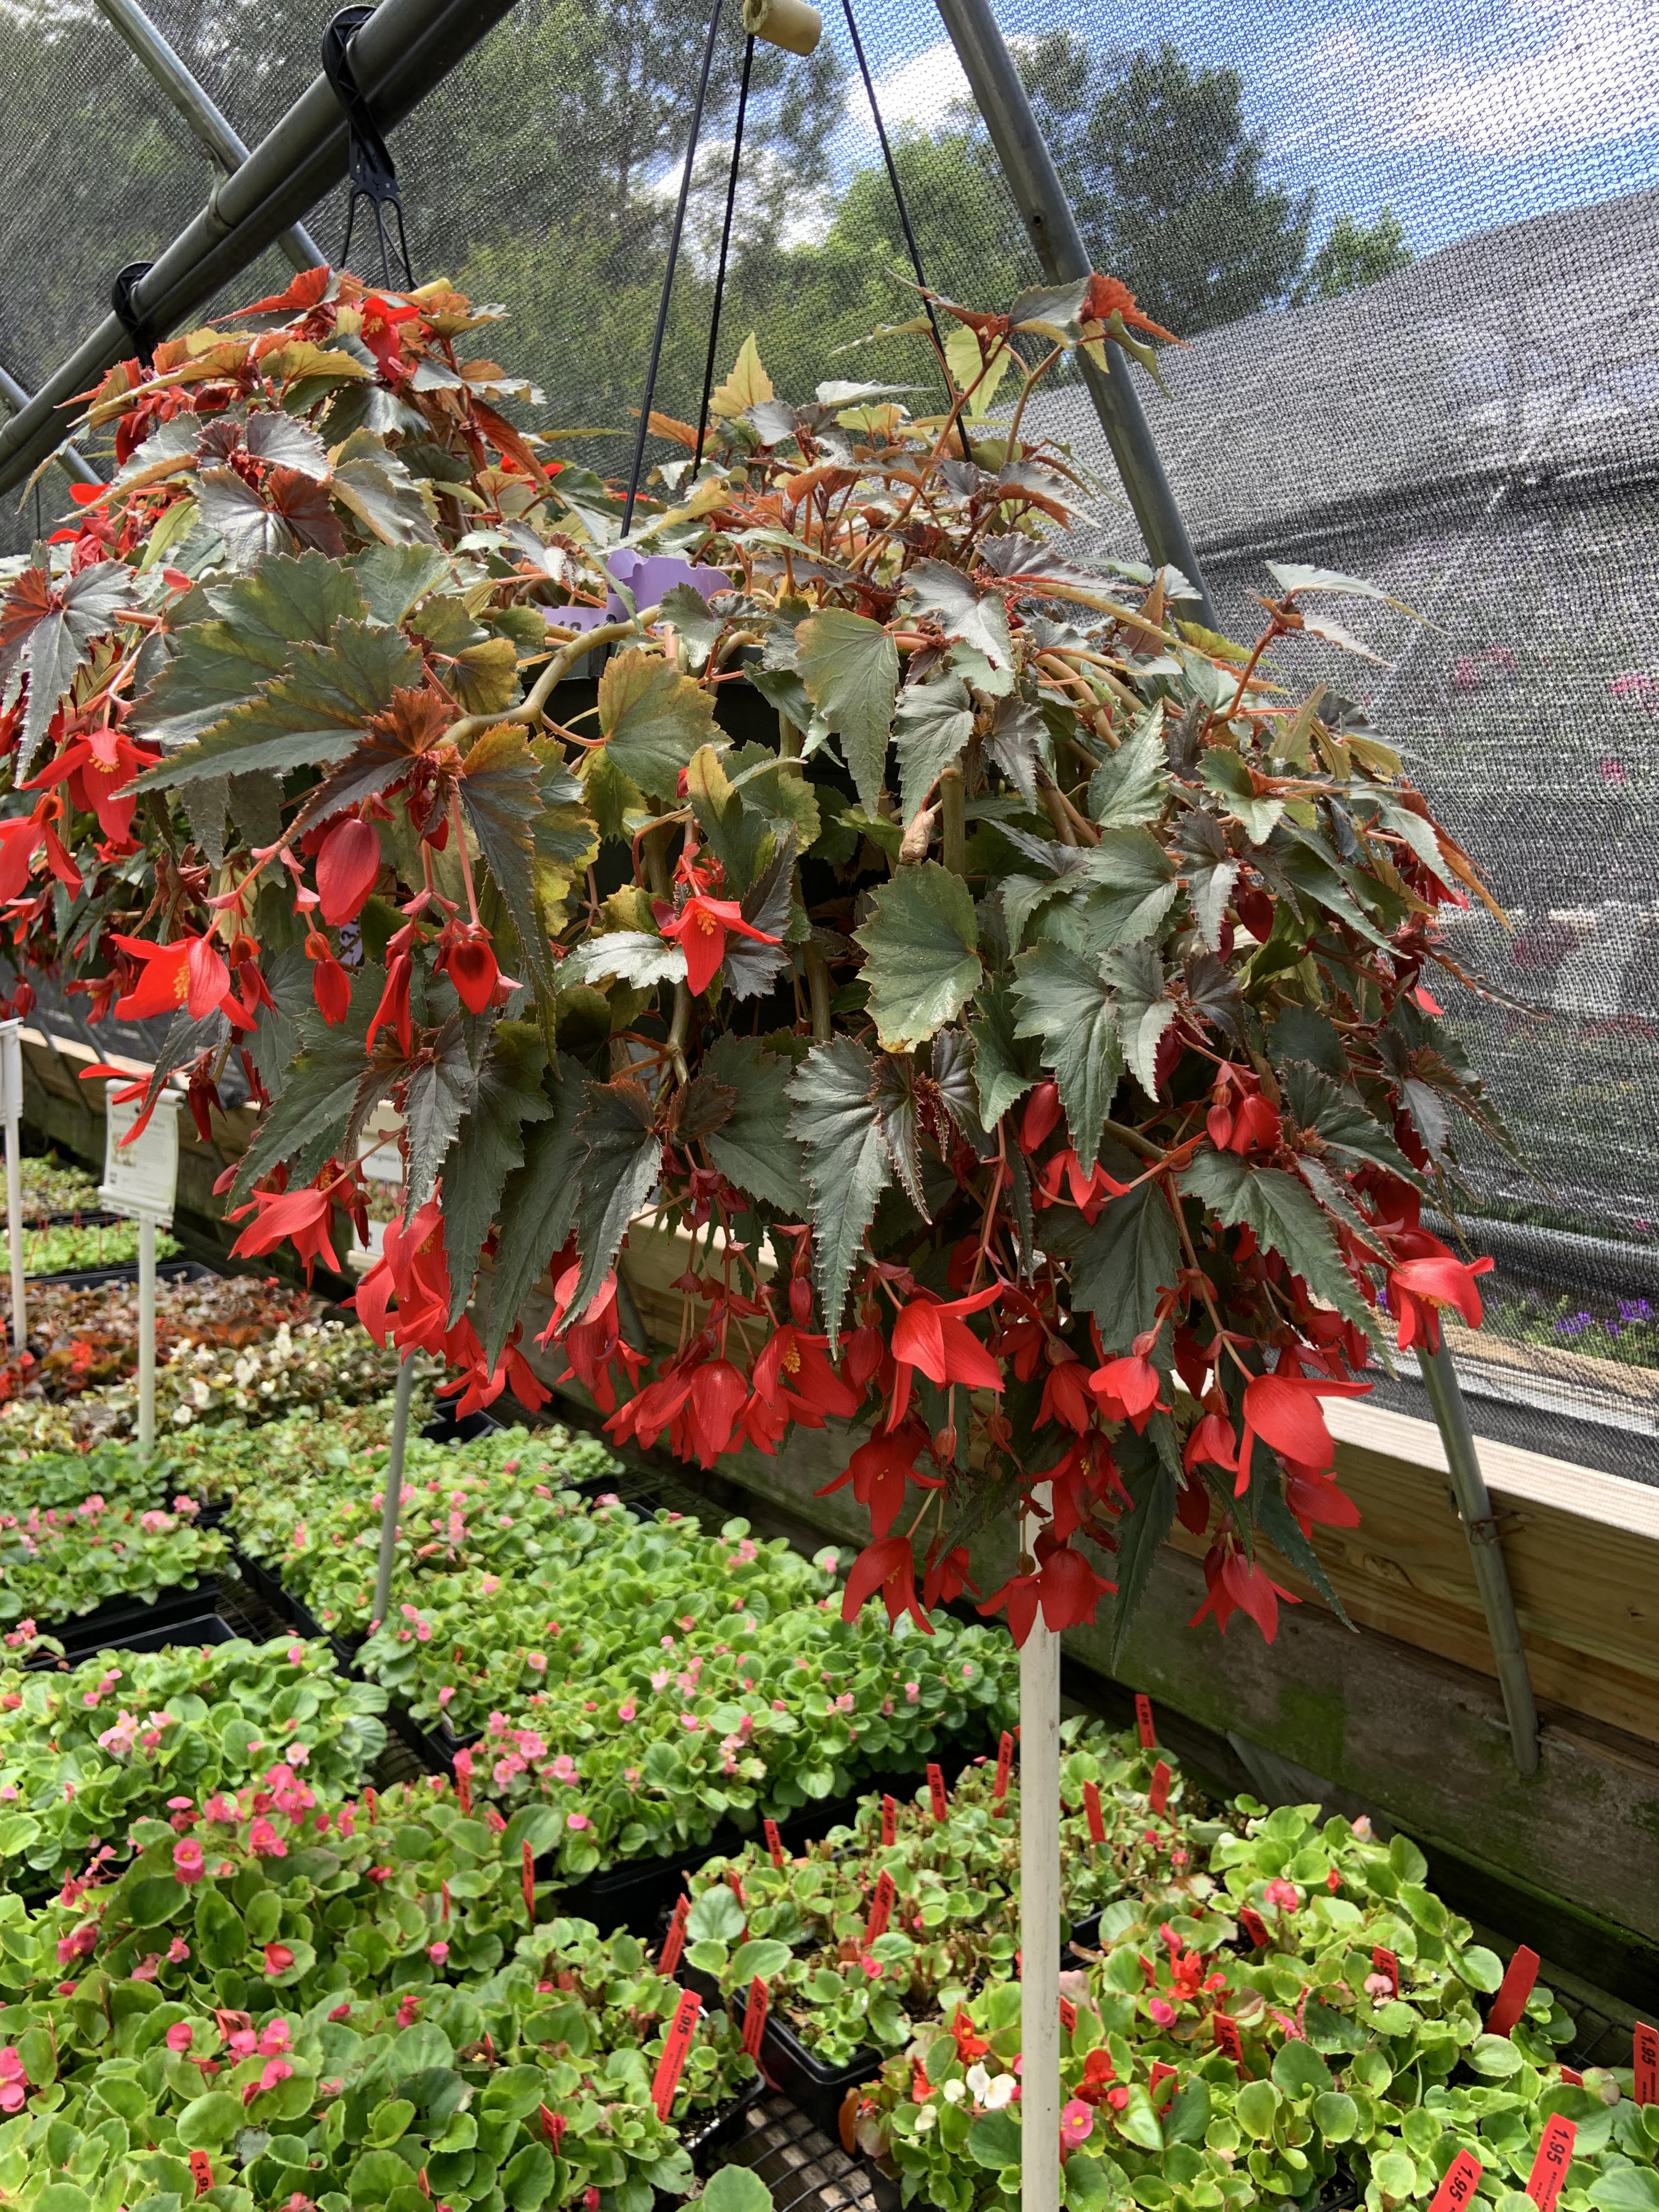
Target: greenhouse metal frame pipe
x,y
406,47
209,125
1029,168
1485,1552
70,459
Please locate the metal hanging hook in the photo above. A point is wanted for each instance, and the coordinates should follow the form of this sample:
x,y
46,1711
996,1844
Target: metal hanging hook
x,y
372,173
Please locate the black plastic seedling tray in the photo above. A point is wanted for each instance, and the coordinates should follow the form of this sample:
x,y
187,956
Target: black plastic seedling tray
x,y
819,2090
154,1636
96,1279
115,1624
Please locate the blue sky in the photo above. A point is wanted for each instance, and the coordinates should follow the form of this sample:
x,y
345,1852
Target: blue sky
x,y
1458,118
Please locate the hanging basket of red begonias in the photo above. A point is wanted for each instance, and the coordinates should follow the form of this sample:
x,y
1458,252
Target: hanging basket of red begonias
x,y
1016,990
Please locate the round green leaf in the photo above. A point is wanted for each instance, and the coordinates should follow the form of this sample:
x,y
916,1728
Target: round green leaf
x,y
208,2121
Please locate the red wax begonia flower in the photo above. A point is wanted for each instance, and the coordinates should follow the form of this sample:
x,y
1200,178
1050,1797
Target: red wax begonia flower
x,y
1064,1586
348,861
880,1470
21,839
793,1372
393,1012
1283,1410
890,1567
304,1218
187,972
1212,1444
1126,1390
701,929
932,1335
1242,1585
1432,1278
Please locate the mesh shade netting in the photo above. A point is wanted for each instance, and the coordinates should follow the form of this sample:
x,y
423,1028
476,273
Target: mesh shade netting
x,y
1476,427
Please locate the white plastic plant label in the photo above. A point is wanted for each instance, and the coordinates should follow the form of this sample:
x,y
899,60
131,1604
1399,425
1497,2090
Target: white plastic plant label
x,y
141,1179
11,1070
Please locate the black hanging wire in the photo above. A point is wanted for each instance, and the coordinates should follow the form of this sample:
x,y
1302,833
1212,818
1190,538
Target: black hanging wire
x,y
668,273
892,170
373,175
726,240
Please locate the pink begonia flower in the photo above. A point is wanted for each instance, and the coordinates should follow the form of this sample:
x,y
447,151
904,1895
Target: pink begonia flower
x,y
277,2071
626,1711
445,1694
1284,1894
243,2043
563,1768
661,1678
296,1655
264,1842
177,1951
408,2011
274,2039
221,1809
497,1724
1077,2124
187,1861
577,1820
437,1952
179,2035
147,1969
278,1958
1161,2012
691,1721
912,1692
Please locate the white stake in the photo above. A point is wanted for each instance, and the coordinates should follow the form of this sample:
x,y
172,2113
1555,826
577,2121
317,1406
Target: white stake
x,y
11,1101
146,1334
391,1499
20,1327
1039,1912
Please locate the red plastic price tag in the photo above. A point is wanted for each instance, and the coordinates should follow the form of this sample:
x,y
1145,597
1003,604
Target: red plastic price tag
x,y
1069,2015
936,1791
1005,1767
1513,1991
736,1881
673,1943
1645,2059
754,2018
1549,2169
553,2126
1161,2073
201,2172
1227,2041
881,1908
1254,1926
774,1843
888,1821
424,2185
1096,1819
371,1800
1159,1796
1456,2192
527,1876
1384,1962
443,1887
464,1779
1144,1720
1572,2076
672,2064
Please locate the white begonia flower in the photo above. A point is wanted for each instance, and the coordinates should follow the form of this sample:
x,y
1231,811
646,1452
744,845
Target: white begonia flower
x,y
954,2092
926,2118
1000,2093
979,2082
200,1392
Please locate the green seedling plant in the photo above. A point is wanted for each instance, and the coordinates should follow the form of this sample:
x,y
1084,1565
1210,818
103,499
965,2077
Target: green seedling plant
x,y
85,1754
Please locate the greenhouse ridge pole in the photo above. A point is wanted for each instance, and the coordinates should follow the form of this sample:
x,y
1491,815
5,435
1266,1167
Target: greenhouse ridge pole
x,y
1028,167
1485,1552
406,47
205,120
72,462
